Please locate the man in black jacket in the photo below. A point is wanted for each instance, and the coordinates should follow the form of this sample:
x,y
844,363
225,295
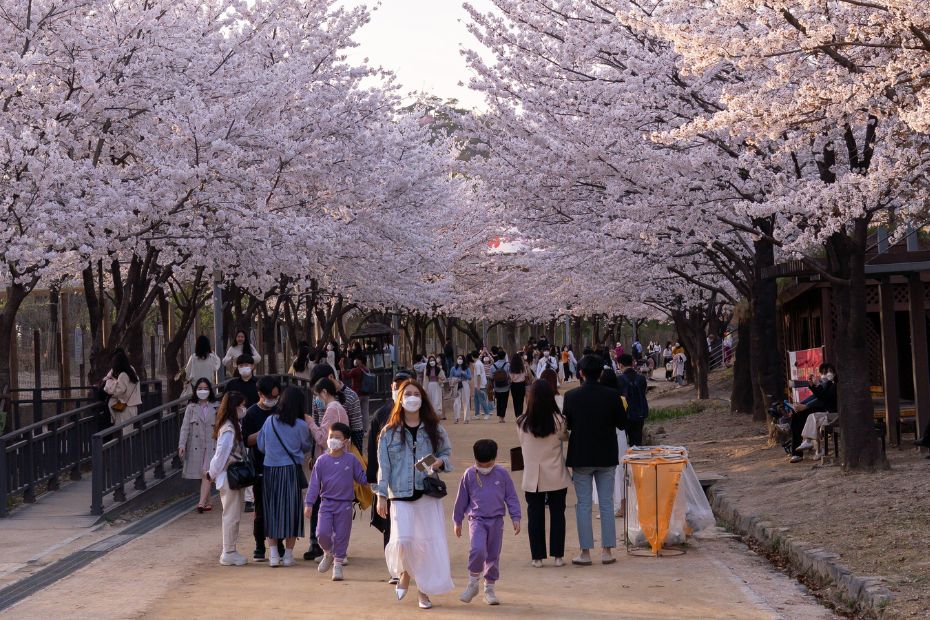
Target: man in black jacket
x,y
593,414
378,421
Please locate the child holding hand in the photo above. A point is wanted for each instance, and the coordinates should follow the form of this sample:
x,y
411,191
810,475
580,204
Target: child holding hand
x,y
485,492
333,478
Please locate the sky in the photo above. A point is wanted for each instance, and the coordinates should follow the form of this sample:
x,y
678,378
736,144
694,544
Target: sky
x,y
419,41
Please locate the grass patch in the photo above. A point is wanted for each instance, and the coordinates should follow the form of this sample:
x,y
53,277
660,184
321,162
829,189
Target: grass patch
x,y
670,413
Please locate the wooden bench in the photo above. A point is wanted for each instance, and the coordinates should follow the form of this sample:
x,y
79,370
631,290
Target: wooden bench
x,y
833,430
907,418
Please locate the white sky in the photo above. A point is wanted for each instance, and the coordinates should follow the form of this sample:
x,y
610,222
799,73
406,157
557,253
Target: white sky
x,y
419,41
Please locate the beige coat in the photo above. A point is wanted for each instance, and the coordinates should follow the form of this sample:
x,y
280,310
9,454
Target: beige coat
x,y
544,460
197,439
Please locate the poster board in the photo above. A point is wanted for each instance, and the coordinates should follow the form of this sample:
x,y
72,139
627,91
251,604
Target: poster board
x,y
801,365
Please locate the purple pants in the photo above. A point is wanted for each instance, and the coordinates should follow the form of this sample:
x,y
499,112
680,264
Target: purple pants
x,y
487,537
333,528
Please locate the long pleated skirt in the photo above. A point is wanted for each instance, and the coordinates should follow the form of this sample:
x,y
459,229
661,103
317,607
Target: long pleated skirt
x,y
419,546
281,498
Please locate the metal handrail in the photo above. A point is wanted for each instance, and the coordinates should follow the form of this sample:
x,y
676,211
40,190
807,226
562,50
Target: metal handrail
x,y
43,451
126,452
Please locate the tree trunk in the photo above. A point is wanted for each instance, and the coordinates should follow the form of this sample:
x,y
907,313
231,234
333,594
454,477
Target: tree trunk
x,y
15,295
691,327
741,396
861,446
768,359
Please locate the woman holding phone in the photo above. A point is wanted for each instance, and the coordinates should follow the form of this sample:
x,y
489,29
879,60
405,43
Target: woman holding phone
x,y
414,441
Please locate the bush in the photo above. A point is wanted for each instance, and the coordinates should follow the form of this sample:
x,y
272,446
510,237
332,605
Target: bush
x,y
670,413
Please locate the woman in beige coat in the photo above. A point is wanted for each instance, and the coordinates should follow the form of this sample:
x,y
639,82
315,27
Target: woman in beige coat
x,y
123,385
196,444
545,477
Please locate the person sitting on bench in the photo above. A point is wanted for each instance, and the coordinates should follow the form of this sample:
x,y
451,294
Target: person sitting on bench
x,y
823,400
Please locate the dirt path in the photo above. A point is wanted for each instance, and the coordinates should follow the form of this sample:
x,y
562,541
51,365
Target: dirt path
x,y
173,573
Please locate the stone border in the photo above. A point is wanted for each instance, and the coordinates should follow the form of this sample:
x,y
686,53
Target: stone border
x,y
865,594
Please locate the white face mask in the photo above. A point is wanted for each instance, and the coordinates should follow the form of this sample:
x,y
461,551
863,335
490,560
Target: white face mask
x,y
394,396
334,444
829,376
203,394
460,361
433,363
546,354
484,470
412,403
271,402
245,372
241,412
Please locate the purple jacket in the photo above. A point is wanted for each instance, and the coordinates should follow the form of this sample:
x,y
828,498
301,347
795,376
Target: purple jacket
x,y
332,478
485,496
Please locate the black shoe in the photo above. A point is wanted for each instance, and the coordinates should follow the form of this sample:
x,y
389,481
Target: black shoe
x,y
922,443
313,553
393,581
259,555
250,506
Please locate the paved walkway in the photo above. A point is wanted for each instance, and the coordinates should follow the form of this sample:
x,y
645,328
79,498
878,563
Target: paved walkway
x,y
37,534
173,572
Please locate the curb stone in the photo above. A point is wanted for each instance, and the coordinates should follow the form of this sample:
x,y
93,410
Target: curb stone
x,y
866,593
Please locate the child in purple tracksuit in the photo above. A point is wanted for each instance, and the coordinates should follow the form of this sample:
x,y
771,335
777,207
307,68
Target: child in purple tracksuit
x,y
485,492
332,479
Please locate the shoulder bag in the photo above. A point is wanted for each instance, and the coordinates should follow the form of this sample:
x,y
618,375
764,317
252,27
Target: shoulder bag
x,y
242,473
301,476
119,405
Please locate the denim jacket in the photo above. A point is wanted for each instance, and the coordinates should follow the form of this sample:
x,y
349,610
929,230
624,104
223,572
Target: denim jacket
x,y
397,476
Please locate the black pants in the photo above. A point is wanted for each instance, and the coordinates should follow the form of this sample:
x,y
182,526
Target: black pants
x,y
668,370
536,522
634,432
501,398
519,394
798,419
566,370
314,518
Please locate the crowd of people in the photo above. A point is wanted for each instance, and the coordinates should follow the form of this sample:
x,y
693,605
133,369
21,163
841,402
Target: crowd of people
x,y
303,463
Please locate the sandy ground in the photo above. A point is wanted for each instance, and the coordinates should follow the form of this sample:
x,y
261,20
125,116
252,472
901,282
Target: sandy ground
x,y
876,522
173,573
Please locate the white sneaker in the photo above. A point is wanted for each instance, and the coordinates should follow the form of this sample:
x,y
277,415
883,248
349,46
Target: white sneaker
x,y
807,444
471,591
326,563
337,572
537,564
232,559
795,459
274,561
288,558
490,597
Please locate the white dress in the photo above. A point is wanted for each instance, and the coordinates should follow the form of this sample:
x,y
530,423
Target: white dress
x,y
419,546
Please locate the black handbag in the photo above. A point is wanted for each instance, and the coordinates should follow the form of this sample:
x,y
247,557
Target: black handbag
x,y
301,476
433,486
241,474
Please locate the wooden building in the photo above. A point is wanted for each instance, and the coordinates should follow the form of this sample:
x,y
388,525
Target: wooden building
x,y
897,303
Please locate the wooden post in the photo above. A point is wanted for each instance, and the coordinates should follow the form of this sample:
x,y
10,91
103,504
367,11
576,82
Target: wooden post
x,y
37,358
153,353
890,375
919,351
64,362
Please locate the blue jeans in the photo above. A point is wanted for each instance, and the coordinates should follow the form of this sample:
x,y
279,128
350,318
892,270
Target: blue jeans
x,y
603,477
482,406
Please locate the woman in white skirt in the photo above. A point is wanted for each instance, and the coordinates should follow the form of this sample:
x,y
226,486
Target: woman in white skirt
x,y
609,378
433,378
461,389
418,548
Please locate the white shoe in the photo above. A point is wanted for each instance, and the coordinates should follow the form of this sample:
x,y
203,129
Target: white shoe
x,y
537,564
807,444
345,561
288,558
559,562
326,563
274,560
795,459
232,559
424,602
471,591
490,597
337,572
